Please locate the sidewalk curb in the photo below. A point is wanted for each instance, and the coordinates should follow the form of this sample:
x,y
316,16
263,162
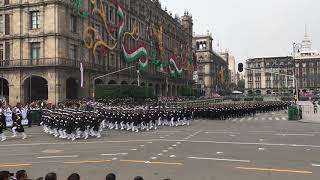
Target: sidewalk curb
x,y
313,122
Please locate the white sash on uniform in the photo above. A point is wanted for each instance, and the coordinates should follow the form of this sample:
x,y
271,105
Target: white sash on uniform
x,y
9,121
24,120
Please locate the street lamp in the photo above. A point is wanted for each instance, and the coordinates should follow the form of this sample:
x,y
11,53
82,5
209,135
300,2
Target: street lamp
x,y
296,48
138,77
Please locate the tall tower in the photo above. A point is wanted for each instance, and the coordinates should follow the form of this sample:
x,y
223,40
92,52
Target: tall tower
x,y
306,42
187,22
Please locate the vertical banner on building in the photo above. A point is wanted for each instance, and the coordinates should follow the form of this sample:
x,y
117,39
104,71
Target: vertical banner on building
x,y
82,75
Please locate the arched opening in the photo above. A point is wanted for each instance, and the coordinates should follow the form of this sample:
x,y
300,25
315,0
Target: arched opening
x,y
134,83
99,82
143,84
72,88
268,91
258,92
178,90
112,82
169,90
150,85
164,91
158,90
124,83
35,88
174,90
250,92
4,89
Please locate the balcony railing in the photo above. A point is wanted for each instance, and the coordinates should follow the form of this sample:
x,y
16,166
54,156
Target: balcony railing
x,y
50,62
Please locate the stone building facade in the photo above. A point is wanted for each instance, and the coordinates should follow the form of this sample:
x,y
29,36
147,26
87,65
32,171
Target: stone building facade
x,y
42,46
212,68
304,65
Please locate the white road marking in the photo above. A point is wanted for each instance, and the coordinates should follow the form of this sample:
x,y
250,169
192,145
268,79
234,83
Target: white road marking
x,y
149,142
261,140
116,154
174,145
52,151
178,141
277,119
261,144
242,119
160,154
283,118
232,135
270,118
294,134
263,118
113,159
142,145
153,158
217,159
315,165
133,149
249,119
52,157
261,149
222,133
219,152
172,156
261,131
170,147
194,134
161,137
165,151
256,119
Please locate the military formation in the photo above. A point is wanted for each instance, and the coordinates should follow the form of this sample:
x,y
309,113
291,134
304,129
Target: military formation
x,y
236,110
74,124
82,119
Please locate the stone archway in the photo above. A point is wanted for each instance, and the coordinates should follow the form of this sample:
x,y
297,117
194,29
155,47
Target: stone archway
x,y
35,88
72,88
124,83
134,83
169,90
112,82
269,92
157,89
142,84
174,90
258,92
99,82
163,89
4,89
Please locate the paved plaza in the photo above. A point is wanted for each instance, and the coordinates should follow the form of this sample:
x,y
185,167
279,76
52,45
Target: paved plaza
x,y
263,147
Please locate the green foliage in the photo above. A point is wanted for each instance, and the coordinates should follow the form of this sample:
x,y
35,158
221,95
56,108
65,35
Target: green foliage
x,y
248,98
119,91
258,98
186,91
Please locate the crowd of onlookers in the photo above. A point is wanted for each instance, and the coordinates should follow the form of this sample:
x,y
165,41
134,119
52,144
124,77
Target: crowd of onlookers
x,y
22,175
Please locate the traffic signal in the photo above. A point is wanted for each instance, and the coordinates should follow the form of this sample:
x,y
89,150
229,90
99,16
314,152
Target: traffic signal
x,y
240,67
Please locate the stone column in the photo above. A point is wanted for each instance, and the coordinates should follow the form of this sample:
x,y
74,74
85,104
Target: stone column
x,y
14,88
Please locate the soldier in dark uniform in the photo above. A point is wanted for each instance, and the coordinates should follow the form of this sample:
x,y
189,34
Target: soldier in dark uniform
x,y
17,126
2,135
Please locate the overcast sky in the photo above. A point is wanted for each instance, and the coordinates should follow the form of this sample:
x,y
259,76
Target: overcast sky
x,y
253,28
